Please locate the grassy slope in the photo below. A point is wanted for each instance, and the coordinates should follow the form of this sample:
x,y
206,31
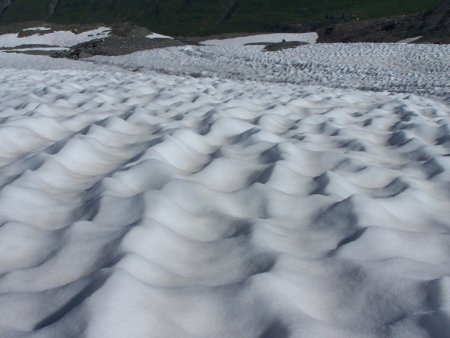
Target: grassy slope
x,y
194,17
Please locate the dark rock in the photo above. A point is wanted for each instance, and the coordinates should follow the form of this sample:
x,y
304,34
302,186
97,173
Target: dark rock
x,y
125,39
433,26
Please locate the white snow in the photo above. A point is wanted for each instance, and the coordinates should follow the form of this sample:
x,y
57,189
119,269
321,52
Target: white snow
x,y
409,40
158,36
35,62
157,205
420,69
59,38
38,49
37,29
275,37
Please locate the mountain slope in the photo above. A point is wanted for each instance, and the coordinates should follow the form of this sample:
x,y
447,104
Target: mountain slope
x,y
432,26
193,17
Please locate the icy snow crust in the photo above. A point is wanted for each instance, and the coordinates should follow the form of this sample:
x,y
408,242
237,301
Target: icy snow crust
x,y
420,69
151,205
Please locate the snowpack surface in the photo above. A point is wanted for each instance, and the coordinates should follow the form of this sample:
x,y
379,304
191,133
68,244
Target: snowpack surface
x,y
156,205
57,39
258,38
398,67
158,36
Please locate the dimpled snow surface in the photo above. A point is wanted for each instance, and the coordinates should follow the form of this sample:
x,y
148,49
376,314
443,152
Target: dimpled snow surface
x,y
148,205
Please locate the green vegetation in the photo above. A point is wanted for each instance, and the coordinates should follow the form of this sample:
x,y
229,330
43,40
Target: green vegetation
x,y
200,17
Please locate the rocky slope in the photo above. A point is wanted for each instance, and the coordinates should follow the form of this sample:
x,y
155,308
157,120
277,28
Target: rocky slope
x,y
205,17
432,26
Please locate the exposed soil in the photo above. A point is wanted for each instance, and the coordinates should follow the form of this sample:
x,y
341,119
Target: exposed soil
x,y
274,46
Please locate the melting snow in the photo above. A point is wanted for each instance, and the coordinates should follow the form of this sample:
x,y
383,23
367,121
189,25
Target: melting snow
x,y
37,29
276,37
409,40
158,36
59,38
152,205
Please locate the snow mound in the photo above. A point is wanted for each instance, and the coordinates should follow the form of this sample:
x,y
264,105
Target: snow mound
x,y
162,206
158,36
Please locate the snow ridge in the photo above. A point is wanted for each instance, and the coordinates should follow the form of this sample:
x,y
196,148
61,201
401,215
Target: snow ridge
x,y
138,206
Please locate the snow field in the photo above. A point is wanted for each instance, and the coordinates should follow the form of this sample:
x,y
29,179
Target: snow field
x,y
404,68
276,37
136,205
57,39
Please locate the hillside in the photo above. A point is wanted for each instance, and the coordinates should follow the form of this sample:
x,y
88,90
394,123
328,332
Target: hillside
x,y
202,17
432,26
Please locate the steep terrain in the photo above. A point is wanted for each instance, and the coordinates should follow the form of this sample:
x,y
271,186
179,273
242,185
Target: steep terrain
x,y
429,26
200,17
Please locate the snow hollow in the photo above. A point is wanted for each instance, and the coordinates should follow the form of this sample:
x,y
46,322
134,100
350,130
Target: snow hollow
x,y
225,191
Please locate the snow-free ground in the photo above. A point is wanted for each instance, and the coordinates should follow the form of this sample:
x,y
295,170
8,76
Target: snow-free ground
x,y
154,205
